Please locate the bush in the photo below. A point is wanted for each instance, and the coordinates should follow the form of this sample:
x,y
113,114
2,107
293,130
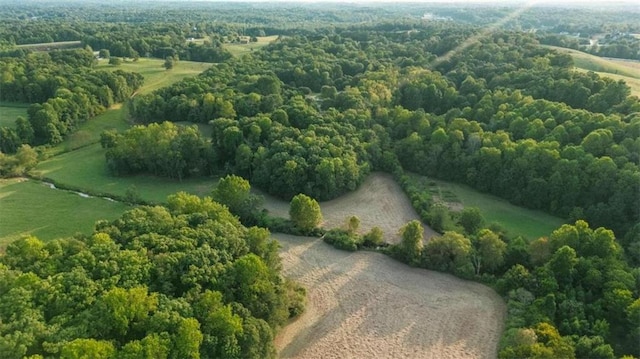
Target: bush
x,y
373,239
341,239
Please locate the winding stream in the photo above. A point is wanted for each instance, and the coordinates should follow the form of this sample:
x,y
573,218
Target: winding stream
x,y
81,194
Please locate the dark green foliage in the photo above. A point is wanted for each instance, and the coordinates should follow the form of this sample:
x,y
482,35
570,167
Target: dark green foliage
x,y
64,91
161,149
470,219
305,213
187,281
341,239
234,192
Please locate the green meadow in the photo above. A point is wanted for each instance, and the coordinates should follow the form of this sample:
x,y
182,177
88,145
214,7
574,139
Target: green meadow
x,y
31,208
242,49
155,75
517,221
10,111
86,169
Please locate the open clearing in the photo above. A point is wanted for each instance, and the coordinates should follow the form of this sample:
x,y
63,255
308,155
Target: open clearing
x,y
241,49
517,221
379,201
86,169
155,75
31,208
367,305
10,111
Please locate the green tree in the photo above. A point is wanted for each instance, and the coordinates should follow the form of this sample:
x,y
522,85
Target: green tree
x,y
411,244
235,192
488,251
87,349
115,61
449,253
305,213
373,238
471,220
169,62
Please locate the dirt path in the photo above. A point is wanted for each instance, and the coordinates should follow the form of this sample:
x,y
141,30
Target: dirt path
x,y
367,305
379,201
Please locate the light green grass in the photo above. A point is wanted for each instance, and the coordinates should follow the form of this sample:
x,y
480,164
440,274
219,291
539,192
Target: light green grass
x,y
10,111
242,49
590,62
31,208
155,75
86,168
517,221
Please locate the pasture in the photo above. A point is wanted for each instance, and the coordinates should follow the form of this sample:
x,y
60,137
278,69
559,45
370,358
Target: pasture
x,y
517,221
367,305
31,208
155,75
86,169
10,111
242,49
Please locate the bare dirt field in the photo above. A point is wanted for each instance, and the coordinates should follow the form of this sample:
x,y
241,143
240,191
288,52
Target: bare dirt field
x,y
367,305
379,201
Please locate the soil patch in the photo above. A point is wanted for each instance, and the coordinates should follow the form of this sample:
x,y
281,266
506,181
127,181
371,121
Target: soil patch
x,y
379,201
367,305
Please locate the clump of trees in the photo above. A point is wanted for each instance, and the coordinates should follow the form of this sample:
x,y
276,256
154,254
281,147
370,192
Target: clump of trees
x,y
182,281
165,149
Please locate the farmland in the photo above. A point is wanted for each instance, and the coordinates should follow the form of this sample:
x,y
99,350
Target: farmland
x,y
155,75
366,305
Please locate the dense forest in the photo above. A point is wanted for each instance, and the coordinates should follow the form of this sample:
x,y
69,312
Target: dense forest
x,y
182,281
339,94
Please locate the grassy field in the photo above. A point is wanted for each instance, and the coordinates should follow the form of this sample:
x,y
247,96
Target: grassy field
x,y
617,69
594,63
86,168
155,75
10,111
517,221
242,49
31,208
